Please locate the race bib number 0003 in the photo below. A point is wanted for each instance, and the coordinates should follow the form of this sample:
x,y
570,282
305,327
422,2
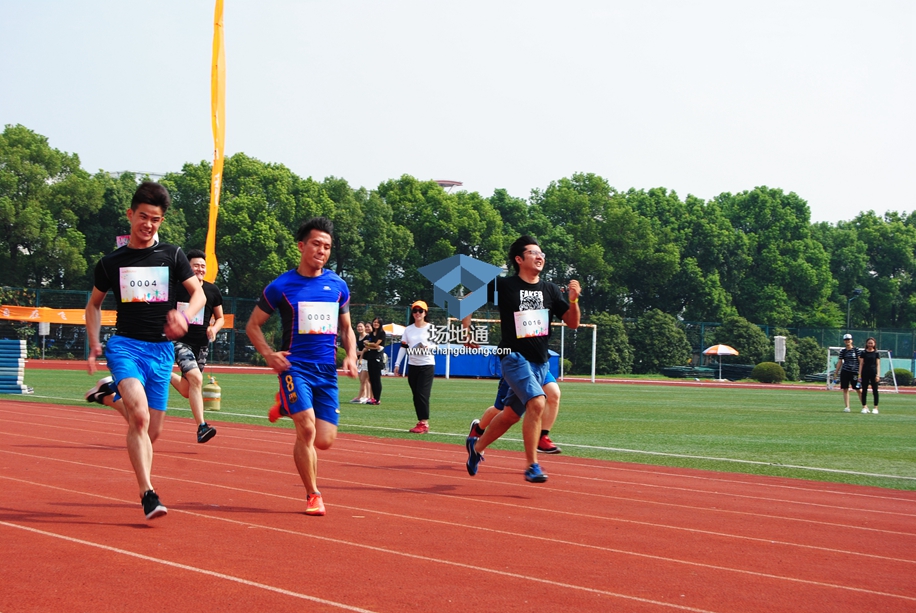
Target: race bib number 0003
x,y
318,317
532,323
144,284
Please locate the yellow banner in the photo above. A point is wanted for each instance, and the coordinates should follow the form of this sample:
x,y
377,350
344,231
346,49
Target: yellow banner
x,y
218,117
75,317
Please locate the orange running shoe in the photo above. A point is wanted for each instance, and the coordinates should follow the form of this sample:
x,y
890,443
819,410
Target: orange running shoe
x,y
314,505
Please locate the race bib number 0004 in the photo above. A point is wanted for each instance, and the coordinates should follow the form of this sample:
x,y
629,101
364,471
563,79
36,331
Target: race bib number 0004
x,y
532,323
318,317
144,284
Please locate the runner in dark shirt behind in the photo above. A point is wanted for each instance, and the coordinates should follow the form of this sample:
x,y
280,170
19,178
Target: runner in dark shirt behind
x,y
192,350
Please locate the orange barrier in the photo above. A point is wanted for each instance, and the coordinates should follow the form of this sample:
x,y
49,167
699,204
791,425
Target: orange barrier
x,y
67,316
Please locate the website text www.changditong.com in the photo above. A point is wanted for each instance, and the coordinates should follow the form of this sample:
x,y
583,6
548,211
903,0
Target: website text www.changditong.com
x,y
462,350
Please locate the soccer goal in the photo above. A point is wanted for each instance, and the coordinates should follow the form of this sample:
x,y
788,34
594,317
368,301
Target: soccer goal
x,y
888,378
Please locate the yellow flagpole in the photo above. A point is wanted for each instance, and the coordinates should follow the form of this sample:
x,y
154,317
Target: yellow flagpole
x,y
218,117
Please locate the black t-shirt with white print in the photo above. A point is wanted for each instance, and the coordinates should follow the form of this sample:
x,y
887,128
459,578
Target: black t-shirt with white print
x,y
850,359
525,310
144,282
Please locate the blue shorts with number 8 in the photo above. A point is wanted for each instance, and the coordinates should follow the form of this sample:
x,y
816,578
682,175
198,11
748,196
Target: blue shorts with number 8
x,y
310,386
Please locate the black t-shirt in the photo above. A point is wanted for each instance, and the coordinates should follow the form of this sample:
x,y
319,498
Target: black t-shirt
x,y
197,326
376,336
850,359
524,312
145,284
869,362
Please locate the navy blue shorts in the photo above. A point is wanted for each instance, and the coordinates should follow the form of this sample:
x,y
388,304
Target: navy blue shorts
x,y
307,386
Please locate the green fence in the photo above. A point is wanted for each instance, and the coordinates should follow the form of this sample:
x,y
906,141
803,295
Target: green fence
x,y
232,346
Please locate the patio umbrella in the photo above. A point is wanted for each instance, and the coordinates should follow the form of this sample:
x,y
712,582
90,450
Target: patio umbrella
x,y
393,329
720,350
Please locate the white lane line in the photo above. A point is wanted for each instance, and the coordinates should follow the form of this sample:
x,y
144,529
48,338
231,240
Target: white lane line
x,y
502,573
185,567
628,499
490,530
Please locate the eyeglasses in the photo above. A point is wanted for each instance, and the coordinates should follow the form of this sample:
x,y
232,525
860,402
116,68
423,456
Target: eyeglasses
x,y
417,311
537,254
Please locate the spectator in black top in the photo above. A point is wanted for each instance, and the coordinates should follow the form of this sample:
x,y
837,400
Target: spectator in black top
x,y
375,345
365,392
869,372
847,368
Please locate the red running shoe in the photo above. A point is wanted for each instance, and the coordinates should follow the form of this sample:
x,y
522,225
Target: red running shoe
x,y
314,505
276,411
545,445
420,428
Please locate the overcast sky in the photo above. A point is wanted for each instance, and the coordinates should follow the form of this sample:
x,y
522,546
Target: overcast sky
x,y
701,97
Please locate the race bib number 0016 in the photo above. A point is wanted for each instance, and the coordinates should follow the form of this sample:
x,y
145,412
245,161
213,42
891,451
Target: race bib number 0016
x,y
144,284
318,317
532,323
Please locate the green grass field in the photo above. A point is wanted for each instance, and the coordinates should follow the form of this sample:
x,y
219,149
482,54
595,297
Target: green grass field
x,y
782,432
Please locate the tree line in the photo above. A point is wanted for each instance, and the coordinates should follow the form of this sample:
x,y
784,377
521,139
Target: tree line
x,y
754,255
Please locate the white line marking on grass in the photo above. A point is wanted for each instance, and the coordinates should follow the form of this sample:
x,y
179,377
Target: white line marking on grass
x,y
668,455
601,448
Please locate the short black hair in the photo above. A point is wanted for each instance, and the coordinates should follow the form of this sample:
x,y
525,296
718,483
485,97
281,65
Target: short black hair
x,y
196,253
322,224
152,193
517,249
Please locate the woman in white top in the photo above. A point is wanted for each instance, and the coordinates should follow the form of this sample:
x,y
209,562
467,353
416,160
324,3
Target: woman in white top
x,y
415,342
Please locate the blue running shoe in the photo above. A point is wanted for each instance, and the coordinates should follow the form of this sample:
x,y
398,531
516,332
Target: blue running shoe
x,y
534,474
474,458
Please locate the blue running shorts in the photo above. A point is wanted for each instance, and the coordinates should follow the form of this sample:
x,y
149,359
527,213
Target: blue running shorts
x,y
525,379
150,363
306,386
503,389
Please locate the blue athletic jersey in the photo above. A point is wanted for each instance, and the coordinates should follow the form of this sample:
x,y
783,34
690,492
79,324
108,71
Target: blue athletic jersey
x,y
309,308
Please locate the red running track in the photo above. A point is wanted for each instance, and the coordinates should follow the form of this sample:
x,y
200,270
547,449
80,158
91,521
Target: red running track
x,y
408,530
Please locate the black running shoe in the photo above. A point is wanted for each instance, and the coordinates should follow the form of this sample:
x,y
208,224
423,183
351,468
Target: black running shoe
x,y
474,458
102,388
152,508
205,432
